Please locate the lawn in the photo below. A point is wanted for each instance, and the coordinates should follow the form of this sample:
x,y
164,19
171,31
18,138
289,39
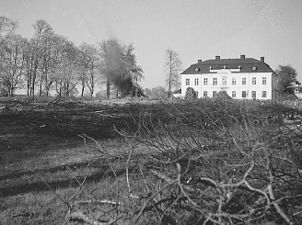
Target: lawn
x,y
37,172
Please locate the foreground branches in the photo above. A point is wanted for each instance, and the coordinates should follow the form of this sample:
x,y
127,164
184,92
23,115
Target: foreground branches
x,y
219,174
204,167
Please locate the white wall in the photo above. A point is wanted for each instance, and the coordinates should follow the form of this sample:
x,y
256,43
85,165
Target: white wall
x,y
192,78
229,87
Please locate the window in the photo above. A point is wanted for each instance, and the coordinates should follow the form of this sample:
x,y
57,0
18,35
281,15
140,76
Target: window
x,y
214,93
233,94
205,94
263,80
233,80
187,81
196,93
254,94
205,81
263,94
253,80
243,94
196,81
244,81
215,81
224,80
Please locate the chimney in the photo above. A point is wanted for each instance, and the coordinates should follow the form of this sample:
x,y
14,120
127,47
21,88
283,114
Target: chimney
x,y
262,59
242,56
199,60
217,57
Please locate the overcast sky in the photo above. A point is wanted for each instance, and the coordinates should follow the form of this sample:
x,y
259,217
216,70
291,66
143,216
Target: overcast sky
x,y
196,29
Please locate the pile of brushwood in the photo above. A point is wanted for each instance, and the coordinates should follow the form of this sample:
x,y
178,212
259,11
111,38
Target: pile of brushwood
x,y
224,163
204,162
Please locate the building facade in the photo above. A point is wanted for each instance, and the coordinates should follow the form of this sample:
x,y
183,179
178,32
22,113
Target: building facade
x,y
242,78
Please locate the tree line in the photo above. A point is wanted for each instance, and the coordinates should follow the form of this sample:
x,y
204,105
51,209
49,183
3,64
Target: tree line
x,y
49,61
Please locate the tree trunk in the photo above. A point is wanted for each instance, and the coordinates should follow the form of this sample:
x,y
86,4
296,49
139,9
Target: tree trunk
x,y
33,88
92,86
34,80
32,91
27,91
67,89
108,88
60,90
47,86
12,90
8,92
170,74
47,90
40,91
28,86
92,90
83,89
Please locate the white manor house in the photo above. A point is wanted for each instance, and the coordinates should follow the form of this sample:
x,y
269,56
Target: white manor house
x,y
241,78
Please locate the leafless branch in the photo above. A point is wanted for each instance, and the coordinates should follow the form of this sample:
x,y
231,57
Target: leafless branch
x,y
80,217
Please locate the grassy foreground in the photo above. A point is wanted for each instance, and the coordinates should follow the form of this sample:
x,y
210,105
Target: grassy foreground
x,y
148,163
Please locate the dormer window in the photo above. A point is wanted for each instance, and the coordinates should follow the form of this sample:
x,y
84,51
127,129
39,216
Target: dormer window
x,y
197,69
254,68
239,67
210,68
224,67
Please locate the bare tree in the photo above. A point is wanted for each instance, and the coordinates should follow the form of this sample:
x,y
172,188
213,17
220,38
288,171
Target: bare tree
x,y
148,92
88,63
34,56
47,48
65,79
13,58
7,28
82,67
40,58
172,67
158,92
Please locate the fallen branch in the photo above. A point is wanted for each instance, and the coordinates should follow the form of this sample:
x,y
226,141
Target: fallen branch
x,y
151,197
99,202
80,217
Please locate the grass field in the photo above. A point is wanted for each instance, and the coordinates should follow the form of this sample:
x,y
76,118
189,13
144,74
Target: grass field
x,y
37,172
63,157
43,157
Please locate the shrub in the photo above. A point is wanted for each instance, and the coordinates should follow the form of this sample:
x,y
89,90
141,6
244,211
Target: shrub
x,y
190,93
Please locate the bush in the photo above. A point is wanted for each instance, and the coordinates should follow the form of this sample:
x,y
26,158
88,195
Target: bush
x,y
223,95
190,93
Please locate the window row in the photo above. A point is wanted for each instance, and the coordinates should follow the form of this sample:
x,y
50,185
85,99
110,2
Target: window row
x,y
244,94
224,81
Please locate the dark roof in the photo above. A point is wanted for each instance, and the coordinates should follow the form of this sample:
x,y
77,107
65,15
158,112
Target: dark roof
x,y
246,65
